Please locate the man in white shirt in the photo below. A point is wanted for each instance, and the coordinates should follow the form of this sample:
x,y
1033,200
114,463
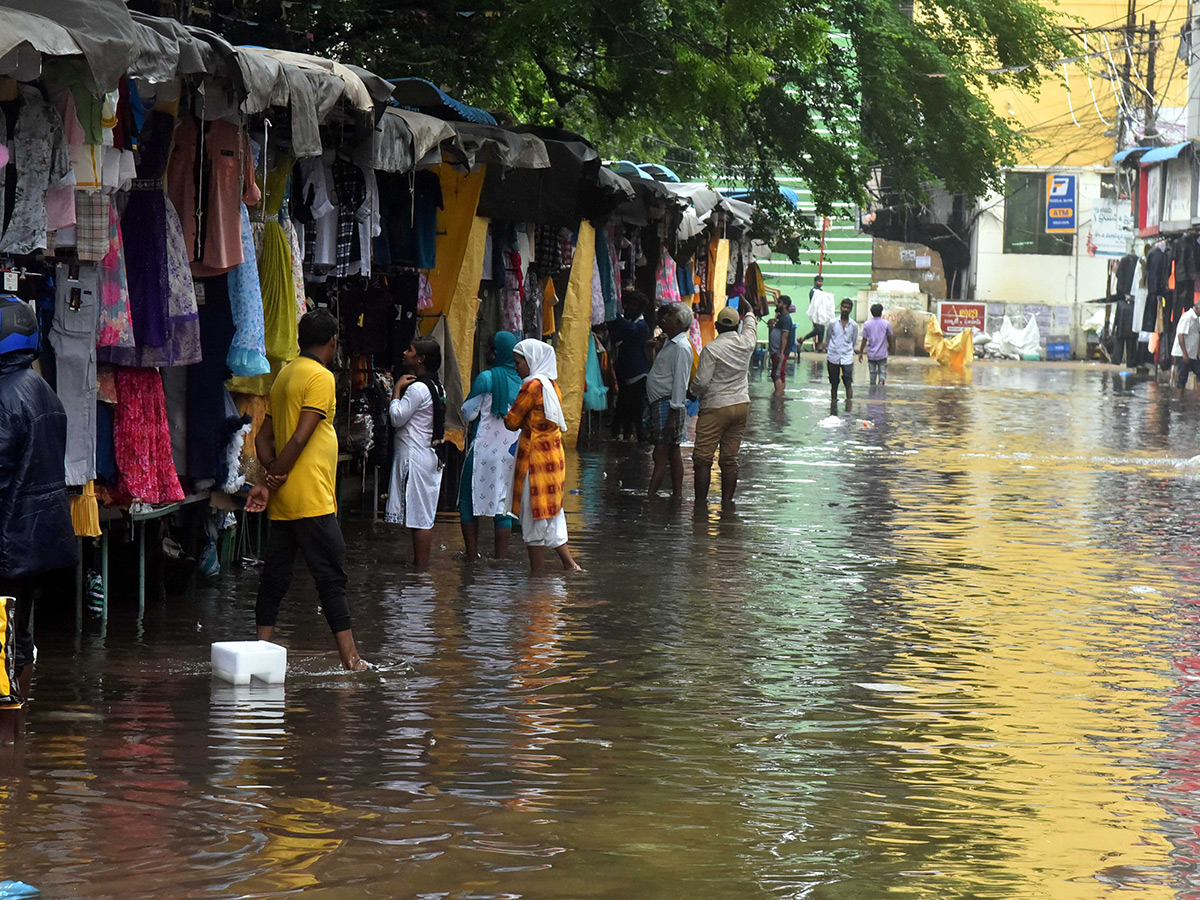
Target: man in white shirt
x,y
1187,346
722,384
666,396
840,339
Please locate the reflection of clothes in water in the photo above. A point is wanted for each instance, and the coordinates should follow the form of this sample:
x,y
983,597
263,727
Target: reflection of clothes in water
x,y
416,478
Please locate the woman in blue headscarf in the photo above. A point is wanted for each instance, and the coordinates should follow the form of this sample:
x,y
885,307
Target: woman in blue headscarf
x,y
486,486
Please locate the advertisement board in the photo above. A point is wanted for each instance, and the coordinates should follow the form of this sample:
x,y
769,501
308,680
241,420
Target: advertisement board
x,y
1060,204
955,316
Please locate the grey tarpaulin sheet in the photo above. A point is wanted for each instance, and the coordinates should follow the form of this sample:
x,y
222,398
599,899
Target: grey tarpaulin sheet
x,y
102,29
496,146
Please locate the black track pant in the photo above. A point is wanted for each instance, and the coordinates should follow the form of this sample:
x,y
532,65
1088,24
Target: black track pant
x,y
320,541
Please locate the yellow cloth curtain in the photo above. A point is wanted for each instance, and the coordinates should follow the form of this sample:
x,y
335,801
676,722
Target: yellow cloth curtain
x,y
576,326
85,512
957,352
460,197
720,274
463,313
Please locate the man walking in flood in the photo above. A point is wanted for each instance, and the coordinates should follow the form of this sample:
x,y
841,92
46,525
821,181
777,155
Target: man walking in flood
x,y
298,448
840,338
722,385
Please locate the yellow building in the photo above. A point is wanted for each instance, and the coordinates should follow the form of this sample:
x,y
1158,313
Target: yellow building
x,y
1071,121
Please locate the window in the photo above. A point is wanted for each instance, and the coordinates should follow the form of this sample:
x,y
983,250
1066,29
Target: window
x,y
1025,217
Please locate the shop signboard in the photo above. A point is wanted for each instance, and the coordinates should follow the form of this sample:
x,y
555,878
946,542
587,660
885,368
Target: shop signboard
x,y
1112,228
1060,204
954,316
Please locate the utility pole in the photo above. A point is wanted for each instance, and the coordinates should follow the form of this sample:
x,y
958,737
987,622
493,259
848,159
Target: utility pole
x,y
1130,28
1151,132
1193,63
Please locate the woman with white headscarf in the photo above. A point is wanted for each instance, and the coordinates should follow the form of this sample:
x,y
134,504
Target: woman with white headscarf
x,y
541,463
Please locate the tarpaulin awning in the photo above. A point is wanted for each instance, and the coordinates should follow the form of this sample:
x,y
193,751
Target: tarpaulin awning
x,y
1125,154
553,196
101,29
390,148
703,198
379,87
166,50
493,145
1161,154
650,200
425,96
25,37
353,89
428,133
789,195
651,171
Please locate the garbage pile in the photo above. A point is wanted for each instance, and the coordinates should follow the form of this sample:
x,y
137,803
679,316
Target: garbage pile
x,y
1011,342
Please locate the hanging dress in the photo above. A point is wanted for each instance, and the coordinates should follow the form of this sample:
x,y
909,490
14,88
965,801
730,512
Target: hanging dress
x,y
247,354
116,326
141,438
277,283
144,229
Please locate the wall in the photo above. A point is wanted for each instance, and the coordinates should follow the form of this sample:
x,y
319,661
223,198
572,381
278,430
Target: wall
x,y
1057,286
1046,117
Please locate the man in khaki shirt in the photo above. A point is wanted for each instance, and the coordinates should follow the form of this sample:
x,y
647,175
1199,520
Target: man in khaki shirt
x,y
722,384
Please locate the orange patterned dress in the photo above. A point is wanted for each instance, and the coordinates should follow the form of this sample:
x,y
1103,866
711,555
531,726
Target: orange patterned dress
x,y
539,453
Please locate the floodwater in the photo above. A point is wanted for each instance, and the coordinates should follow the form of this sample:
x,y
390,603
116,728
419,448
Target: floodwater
x,y
946,648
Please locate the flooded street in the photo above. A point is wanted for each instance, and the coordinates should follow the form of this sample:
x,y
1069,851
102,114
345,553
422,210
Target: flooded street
x,y
946,648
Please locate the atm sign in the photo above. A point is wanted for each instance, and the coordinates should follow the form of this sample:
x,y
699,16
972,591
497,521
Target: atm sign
x,y
1060,204
954,317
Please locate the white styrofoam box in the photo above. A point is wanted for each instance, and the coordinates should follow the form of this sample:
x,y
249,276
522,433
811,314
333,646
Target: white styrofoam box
x,y
239,661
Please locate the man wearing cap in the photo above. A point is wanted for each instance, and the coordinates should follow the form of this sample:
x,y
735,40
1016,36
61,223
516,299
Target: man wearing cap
x,y
722,386
36,534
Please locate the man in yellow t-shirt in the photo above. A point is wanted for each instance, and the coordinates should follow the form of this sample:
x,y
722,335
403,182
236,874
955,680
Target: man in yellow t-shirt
x,y
298,448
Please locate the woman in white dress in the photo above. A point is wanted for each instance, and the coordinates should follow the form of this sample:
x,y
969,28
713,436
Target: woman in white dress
x,y
486,486
418,413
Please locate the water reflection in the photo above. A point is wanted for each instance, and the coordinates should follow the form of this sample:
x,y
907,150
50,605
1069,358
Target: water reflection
x,y
946,648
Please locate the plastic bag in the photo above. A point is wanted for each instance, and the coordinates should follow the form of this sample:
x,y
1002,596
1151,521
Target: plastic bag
x,y
1029,342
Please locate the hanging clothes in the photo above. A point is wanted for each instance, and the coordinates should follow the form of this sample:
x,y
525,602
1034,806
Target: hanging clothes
x,y
208,191
315,209
182,345
144,229
42,162
116,325
350,189
210,424
607,277
275,274
666,282
142,440
408,221
247,351
595,394
73,337
533,316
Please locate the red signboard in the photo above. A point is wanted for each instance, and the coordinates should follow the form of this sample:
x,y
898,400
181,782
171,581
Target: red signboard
x,y
954,317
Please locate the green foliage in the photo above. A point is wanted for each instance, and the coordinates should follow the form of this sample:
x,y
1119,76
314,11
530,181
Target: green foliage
x,y
729,89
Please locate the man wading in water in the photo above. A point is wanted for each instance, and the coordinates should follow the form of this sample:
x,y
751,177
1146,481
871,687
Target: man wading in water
x,y
840,338
298,449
